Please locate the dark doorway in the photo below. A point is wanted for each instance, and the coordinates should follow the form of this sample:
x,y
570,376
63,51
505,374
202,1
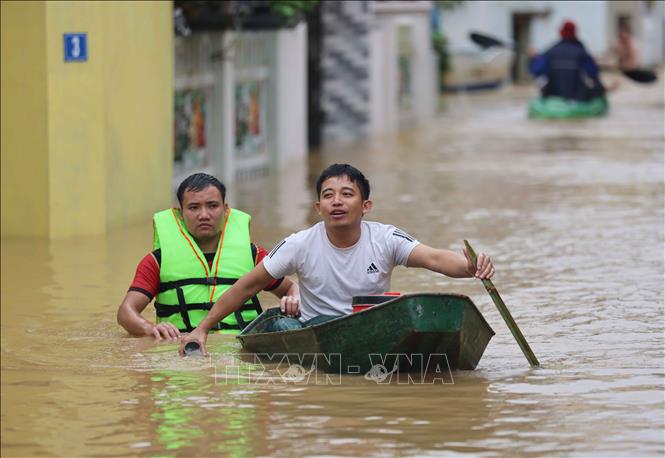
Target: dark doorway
x,y
521,30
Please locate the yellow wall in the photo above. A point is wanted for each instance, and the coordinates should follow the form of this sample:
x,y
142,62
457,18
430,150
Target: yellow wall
x,y
139,110
107,134
76,123
24,136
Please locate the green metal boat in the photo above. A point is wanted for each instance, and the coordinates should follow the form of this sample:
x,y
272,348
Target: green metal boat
x,y
559,108
408,333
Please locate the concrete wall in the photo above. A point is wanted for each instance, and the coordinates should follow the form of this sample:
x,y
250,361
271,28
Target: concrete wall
x,y
86,146
360,93
489,17
596,23
138,108
652,39
386,113
494,18
24,137
217,62
647,22
589,16
75,113
291,95
196,70
345,56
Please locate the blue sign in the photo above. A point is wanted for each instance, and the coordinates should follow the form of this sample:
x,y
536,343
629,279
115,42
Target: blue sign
x,y
76,47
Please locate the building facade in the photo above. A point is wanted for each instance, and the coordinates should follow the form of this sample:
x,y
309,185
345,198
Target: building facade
x,y
87,117
535,24
240,102
372,69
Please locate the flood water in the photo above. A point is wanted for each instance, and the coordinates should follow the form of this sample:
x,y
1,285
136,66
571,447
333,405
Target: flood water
x,y
572,214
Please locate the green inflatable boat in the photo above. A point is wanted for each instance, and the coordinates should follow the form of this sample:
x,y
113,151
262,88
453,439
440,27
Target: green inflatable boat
x,y
559,108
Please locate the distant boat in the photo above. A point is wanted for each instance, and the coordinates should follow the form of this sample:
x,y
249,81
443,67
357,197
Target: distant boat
x,y
559,108
408,333
474,69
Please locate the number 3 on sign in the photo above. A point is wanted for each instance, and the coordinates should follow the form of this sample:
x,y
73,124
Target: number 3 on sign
x,y
76,47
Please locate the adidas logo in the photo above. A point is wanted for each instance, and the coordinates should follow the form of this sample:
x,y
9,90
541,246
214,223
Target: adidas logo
x,y
372,269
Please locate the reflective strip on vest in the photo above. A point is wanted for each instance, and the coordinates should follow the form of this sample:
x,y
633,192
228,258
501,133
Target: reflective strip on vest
x,y
190,286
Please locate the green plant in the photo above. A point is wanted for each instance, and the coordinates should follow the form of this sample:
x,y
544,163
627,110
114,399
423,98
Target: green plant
x,y
292,8
447,4
439,44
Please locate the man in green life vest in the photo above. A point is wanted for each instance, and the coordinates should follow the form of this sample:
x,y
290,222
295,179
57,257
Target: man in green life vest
x,y
199,251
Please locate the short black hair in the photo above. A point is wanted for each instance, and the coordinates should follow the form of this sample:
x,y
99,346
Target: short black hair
x,y
198,182
338,170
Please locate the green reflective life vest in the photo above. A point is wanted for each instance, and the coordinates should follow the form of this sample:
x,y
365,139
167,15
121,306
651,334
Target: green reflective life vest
x,y
188,286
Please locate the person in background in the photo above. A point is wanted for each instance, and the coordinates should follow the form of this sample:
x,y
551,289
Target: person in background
x,y
338,258
569,70
199,251
626,52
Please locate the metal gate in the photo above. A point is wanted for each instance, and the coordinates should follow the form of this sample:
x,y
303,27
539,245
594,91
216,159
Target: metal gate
x,y
195,89
254,101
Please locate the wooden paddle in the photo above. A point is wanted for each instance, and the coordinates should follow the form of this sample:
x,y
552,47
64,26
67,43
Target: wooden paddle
x,y
505,313
486,41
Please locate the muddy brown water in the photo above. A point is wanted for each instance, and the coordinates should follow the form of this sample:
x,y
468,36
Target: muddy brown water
x,y
572,214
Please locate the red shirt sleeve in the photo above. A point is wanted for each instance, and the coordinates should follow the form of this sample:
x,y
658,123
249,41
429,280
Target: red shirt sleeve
x,y
260,254
146,278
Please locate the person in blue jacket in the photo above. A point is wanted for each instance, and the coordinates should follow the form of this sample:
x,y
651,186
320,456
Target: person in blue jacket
x,y
569,70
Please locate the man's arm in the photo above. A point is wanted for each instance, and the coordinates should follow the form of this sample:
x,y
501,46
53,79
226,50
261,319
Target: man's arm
x,y
232,299
129,317
589,66
286,290
289,294
449,263
143,288
538,64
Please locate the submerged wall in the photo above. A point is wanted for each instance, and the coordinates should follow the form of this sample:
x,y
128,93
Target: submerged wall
x,y
24,137
86,146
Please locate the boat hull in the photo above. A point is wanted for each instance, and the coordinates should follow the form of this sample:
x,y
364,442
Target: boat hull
x,y
558,108
477,69
411,332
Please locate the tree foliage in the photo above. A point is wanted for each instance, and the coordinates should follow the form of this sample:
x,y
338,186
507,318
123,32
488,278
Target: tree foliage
x,y
292,8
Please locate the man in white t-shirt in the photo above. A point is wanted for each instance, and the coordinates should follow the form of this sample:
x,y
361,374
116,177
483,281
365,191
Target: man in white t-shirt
x,y
338,258
329,276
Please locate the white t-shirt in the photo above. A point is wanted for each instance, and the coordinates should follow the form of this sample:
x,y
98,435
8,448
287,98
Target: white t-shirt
x,y
328,276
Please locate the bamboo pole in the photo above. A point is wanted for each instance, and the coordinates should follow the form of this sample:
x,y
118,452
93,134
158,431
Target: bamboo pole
x,y
505,313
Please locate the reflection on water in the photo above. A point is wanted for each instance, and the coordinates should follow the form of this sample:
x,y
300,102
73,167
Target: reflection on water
x,y
572,213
